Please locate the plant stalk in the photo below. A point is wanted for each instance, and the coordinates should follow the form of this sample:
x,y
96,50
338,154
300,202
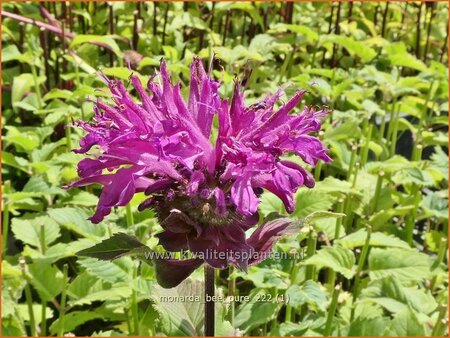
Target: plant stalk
x,y
376,197
331,311
5,217
62,309
231,293
361,262
28,296
209,303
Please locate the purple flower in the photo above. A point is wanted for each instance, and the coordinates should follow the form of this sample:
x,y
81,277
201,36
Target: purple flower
x,y
205,192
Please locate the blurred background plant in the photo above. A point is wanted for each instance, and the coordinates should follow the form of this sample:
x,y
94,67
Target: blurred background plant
x,y
381,67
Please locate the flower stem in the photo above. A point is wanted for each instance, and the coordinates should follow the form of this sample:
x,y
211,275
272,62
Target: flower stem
x,y
331,279
62,309
395,117
441,253
439,327
339,219
36,84
231,293
43,319
377,190
355,174
352,161
317,171
311,244
44,303
68,133
28,297
130,219
411,220
417,152
361,262
134,305
5,218
365,149
331,311
294,273
209,303
42,239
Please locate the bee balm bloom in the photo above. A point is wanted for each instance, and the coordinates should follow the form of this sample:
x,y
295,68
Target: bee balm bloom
x,y
205,193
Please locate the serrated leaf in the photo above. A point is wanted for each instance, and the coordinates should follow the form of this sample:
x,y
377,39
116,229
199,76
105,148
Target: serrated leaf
x,y
28,230
358,238
118,245
405,265
105,270
336,258
309,293
309,201
180,308
246,319
46,279
72,320
89,38
362,327
406,324
358,48
321,215
76,220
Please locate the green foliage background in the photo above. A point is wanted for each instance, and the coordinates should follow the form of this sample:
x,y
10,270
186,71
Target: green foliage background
x,y
381,67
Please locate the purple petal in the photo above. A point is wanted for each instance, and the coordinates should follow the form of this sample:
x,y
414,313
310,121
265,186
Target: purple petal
x,y
158,185
196,180
171,272
243,196
263,239
172,241
221,207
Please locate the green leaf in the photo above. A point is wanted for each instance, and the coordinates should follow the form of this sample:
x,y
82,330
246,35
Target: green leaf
x,y
394,297
82,285
28,230
309,201
11,53
407,60
436,205
21,84
271,203
362,327
321,216
15,161
108,271
309,293
336,258
254,313
342,132
46,279
89,38
180,308
36,184
358,238
24,312
406,265
301,30
76,220
358,48
289,329
331,185
74,319
118,245
406,324
264,278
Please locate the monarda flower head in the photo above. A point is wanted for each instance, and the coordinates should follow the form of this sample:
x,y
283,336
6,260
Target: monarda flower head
x,y
205,192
